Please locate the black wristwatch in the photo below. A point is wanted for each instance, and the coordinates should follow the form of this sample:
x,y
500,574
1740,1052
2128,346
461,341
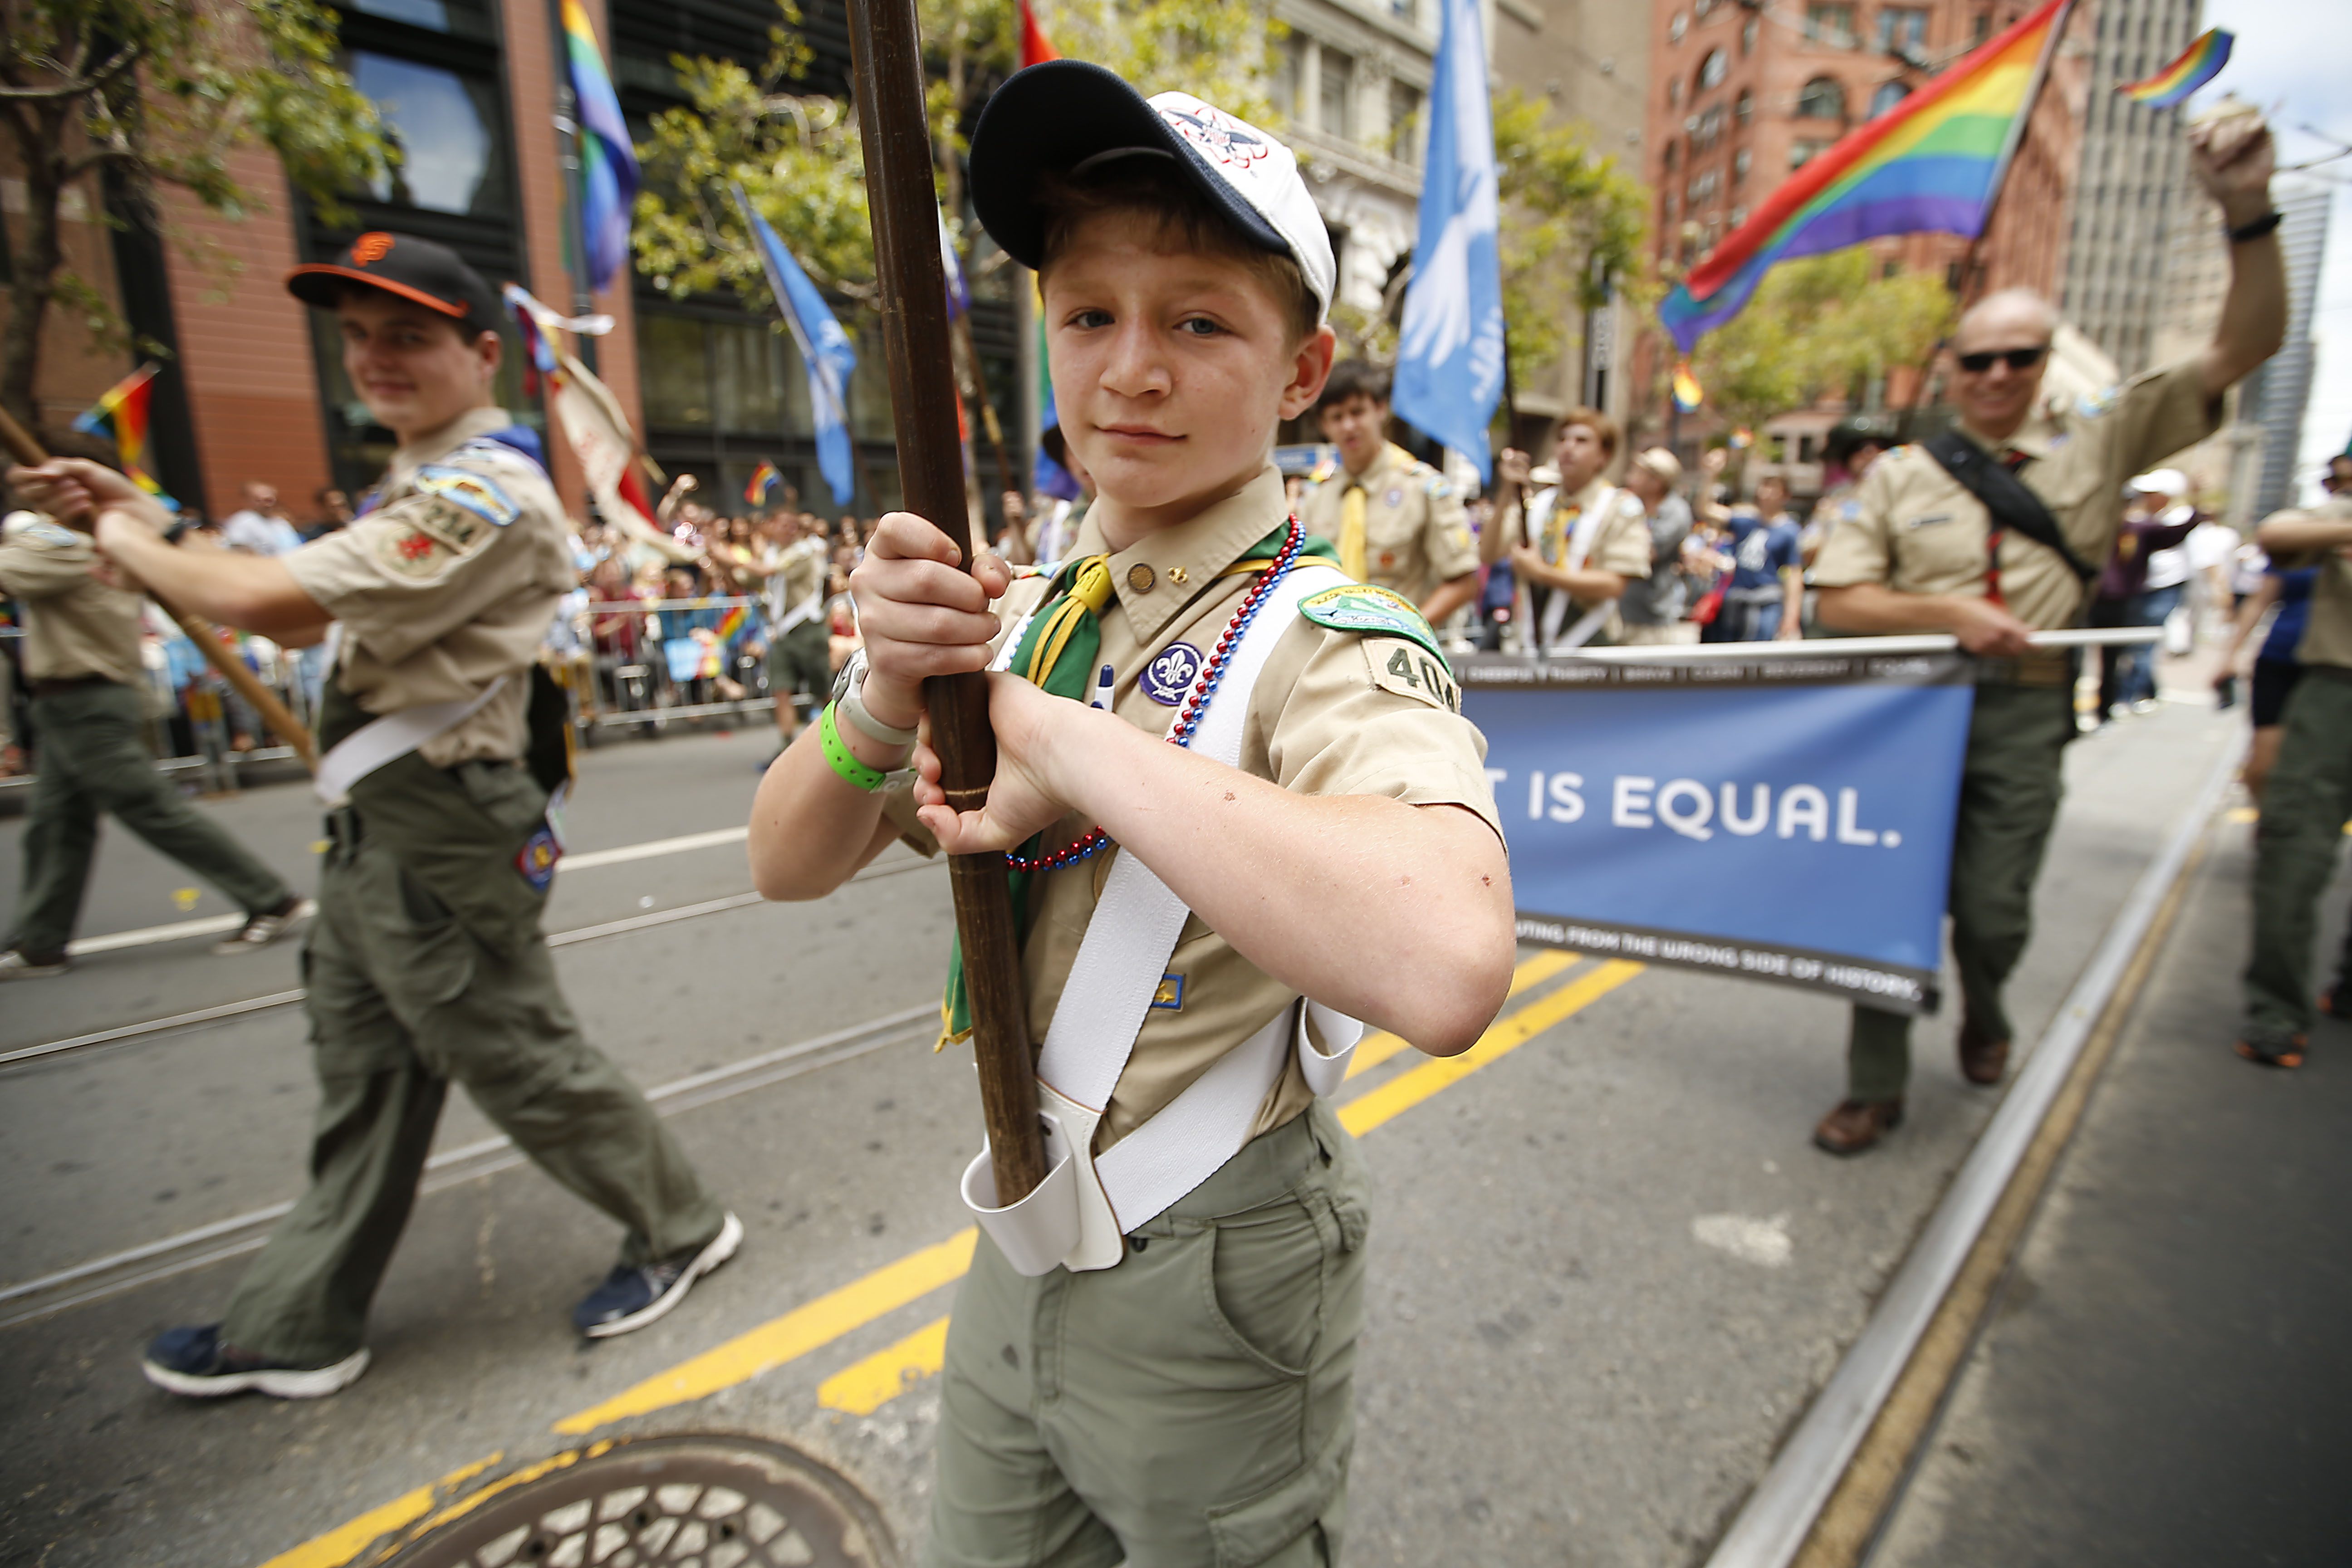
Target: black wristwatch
x,y
178,531
2255,229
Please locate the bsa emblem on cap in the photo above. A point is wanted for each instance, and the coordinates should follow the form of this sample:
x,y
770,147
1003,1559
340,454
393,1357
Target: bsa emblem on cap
x,y
1216,134
370,248
1167,677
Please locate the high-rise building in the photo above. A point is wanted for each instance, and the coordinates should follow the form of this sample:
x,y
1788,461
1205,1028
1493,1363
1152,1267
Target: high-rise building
x,y
2275,396
2128,199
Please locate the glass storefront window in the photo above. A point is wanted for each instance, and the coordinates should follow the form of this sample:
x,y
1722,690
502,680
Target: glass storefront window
x,y
447,127
673,371
747,388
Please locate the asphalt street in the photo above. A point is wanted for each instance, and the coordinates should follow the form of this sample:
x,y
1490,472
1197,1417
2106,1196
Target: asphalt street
x,y
1608,1268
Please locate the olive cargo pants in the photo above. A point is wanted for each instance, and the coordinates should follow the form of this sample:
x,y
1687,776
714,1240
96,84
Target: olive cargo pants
x,y
1190,1405
2304,810
2011,781
405,995
90,756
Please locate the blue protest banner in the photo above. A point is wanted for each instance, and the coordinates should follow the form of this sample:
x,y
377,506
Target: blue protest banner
x,y
1785,819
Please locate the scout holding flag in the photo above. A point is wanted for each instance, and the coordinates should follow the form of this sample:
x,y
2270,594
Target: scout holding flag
x,y
1397,521
425,962
1229,780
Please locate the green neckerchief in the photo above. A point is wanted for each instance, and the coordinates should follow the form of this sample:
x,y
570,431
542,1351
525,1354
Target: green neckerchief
x,y
1059,652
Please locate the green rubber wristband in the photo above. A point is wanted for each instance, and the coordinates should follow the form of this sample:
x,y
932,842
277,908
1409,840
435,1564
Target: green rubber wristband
x,y
853,772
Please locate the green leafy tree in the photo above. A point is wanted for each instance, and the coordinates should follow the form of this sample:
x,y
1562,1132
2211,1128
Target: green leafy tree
x,y
134,95
797,157
1825,324
1571,216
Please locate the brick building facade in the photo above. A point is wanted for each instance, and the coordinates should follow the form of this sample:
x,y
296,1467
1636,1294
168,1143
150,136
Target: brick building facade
x,y
1742,95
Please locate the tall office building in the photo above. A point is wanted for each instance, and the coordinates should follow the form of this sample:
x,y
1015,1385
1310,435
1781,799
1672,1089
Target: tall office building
x,y
2275,395
2128,206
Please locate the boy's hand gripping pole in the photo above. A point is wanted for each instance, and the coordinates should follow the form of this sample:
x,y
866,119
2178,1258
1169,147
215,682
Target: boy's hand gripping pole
x,y
203,634
887,50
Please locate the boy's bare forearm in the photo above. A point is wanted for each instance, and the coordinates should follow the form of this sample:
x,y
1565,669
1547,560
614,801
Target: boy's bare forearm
x,y
811,831
1396,914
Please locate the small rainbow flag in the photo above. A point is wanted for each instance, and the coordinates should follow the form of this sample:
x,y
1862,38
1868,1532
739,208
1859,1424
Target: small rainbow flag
x,y
732,626
121,416
1932,163
2200,63
1689,393
763,478
608,162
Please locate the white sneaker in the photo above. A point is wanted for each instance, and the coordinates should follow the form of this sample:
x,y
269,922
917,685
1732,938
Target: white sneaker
x,y
259,930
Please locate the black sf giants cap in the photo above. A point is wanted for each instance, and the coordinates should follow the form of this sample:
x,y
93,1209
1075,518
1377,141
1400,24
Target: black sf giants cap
x,y
432,275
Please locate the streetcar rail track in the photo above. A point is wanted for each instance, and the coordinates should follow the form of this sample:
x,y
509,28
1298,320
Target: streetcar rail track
x,y
49,1050
194,1249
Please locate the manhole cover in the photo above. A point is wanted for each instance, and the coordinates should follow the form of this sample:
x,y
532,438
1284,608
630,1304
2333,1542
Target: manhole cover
x,y
711,1503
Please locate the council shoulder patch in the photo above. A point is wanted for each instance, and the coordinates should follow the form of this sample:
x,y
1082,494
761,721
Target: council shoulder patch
x,y
2092,405
1374,611
476,492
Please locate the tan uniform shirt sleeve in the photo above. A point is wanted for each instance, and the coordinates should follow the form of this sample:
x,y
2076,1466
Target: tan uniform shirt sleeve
x,y
1860,548
422,568
34,566
1623,546
1446,538
2155,415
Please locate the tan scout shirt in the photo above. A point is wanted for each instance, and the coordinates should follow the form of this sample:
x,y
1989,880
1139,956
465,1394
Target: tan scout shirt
x,y
1328,716
1621,544
796,576
2328,633
75,625
1919,531
1416,535
436,600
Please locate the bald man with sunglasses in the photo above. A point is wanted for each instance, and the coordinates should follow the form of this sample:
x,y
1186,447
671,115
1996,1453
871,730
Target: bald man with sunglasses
x,y
1920,553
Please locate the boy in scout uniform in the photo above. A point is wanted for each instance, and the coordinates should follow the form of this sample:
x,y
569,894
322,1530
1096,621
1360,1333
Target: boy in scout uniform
x,y
1921,554
799,649
1186,1399
82,661
426,962
1396,521
1577,543
2307,797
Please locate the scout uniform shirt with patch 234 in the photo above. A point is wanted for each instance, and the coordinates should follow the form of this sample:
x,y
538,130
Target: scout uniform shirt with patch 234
x,y
445,586
1334,713
1416,532
1917,531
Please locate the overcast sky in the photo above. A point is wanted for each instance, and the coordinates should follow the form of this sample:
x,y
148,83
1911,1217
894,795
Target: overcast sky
x,y
2295,58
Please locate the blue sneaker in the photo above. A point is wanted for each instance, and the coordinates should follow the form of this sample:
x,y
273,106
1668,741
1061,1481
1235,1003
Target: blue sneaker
x,y
194,1361
632,1298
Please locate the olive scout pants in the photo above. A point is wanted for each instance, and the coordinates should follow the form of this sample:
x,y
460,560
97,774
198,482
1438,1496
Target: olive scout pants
x,y
2010,784
1190,1405
426,963
90,756
2303,809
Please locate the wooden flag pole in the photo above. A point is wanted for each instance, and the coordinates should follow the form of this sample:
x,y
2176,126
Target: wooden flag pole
x,y
203,634
887,50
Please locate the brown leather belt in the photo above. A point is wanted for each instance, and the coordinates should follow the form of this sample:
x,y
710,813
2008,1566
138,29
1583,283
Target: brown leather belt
x,y
2038,666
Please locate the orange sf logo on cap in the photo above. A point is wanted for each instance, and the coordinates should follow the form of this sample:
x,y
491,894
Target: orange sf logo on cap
x,y
370,248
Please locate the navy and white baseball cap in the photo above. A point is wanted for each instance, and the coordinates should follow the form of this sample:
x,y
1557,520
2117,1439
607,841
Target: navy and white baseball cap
x,y
1067,116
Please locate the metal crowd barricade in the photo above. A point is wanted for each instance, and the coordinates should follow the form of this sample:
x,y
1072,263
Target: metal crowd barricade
x,y
637,684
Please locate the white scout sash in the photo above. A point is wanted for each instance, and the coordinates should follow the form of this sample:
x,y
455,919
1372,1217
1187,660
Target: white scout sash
x,y
1549,637
390,738
783,620
1079,1216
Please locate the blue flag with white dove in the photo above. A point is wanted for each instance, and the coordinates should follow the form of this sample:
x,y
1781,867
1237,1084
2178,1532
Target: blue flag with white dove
x,y
1449,371
824,348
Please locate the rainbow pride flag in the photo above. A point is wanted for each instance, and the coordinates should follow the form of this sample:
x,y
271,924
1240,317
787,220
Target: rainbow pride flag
x,y
2200,63
608,162
763,478
121,416
1689,393
1931,164
731,626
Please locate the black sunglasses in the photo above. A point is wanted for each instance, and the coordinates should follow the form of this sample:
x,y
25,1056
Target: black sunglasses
x,y
2019,359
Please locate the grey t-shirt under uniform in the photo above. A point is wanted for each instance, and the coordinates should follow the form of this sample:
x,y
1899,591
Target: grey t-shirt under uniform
x,y
1657,600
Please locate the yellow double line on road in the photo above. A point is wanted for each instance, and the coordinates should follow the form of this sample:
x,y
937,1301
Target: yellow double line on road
x,y
872,1382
